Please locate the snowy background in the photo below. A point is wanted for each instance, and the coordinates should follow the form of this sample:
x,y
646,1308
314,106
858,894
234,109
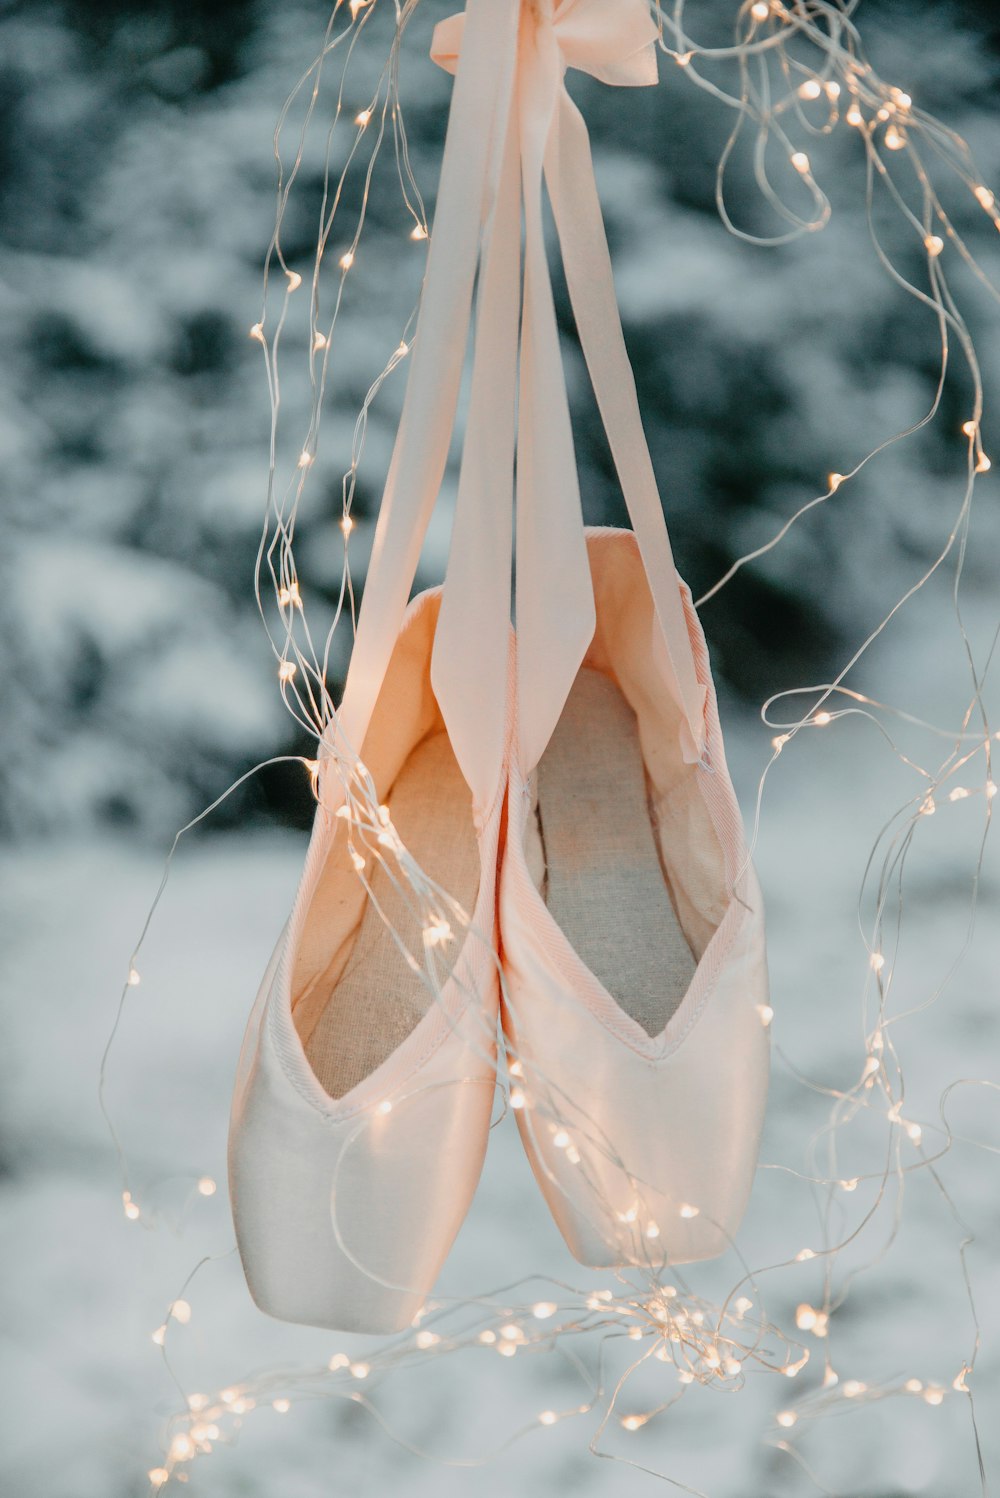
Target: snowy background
x,y
136,201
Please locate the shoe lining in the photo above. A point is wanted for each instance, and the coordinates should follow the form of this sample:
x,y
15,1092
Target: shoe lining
x,y
605,883
378,1000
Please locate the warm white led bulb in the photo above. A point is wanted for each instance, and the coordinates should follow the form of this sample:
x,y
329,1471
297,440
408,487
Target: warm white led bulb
x,y
436,933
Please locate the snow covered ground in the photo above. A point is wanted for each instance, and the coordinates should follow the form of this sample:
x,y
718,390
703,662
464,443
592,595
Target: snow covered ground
x,y
86,1390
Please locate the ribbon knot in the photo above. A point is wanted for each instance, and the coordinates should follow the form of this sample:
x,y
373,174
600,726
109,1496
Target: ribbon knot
x,y
612,40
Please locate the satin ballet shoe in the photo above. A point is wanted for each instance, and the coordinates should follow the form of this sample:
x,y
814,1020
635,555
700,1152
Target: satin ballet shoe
x,y
363,1098
632,937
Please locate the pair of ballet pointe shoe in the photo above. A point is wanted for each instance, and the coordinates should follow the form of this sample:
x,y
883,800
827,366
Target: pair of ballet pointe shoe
x,y
614,927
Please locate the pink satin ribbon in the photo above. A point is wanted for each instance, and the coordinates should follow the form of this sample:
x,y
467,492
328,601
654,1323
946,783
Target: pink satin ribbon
x,y
513,123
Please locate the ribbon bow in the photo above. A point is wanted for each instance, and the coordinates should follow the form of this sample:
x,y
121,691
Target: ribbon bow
x,y
513,124
613,40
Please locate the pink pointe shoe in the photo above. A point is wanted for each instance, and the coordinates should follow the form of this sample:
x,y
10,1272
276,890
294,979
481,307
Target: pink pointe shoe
x,y
363,1099
632,934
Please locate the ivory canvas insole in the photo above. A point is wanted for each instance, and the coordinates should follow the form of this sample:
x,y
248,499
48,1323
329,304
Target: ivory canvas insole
x,y
605,885
378,999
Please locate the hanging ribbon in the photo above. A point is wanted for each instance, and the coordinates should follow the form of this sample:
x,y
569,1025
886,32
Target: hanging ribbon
x,y
511,124
614,41
569,174
479,108
471,644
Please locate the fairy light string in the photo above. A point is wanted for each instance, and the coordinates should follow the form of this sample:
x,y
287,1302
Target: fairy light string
x,y
801,76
